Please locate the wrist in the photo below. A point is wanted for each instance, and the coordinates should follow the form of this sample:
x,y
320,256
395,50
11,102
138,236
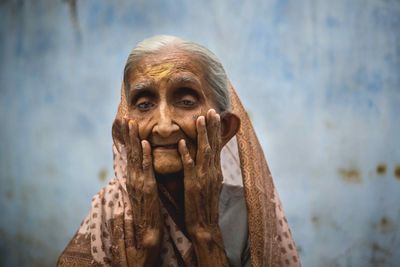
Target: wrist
x,y
200,233
206,235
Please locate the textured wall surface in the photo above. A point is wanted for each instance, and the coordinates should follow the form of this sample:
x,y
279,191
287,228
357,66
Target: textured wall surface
x,y
319,78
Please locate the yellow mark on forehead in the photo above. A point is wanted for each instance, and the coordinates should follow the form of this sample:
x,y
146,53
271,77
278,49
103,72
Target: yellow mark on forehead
x,y
159,72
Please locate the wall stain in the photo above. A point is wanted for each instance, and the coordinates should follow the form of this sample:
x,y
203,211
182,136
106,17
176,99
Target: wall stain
x,y
9,195
103,173
73,10
24,241
384,225
378,254
397,172
315,220
381,169
351,175
321,221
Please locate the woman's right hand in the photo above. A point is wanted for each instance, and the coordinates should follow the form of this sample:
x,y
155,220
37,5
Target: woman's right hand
x,y
143,193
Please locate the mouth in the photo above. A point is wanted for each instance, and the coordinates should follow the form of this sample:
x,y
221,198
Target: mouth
x,y
166,147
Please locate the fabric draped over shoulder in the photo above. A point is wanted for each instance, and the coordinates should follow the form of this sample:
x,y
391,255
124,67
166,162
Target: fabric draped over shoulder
x,y
106,234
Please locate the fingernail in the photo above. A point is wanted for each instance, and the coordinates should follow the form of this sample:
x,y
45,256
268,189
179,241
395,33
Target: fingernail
x,y
218,117
202,120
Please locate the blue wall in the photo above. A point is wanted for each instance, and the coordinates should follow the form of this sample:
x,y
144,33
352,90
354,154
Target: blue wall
x,y
319,78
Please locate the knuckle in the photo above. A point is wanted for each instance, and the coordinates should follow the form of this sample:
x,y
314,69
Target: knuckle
x,y
150,186
146,165
151,238
189,161
135,158
207,151
138,182
192,188
147,190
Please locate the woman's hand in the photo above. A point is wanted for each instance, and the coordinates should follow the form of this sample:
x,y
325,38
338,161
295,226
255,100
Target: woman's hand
x,y
203,182
143,193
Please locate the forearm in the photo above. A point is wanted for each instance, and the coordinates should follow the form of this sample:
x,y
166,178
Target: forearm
x,y
209,247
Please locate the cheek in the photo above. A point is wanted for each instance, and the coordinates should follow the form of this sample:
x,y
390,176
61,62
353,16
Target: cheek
x,y
144,130
188,125
144,125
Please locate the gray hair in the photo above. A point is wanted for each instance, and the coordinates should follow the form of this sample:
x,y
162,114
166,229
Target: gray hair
x,y
215,76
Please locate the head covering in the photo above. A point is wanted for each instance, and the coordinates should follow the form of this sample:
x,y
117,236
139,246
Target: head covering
x,y
106,234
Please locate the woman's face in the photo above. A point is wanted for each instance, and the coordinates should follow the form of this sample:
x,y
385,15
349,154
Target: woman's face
x,y
165,95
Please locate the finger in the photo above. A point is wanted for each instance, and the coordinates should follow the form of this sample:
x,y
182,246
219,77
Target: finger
x,y
147,162
203,147
151,200
125,134
128,148
149,183
187,161
136,147
214,130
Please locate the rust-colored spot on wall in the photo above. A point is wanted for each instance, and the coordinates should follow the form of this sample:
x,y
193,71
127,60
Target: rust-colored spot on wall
x,y
397,172
385,224
381,169
351,175
102,174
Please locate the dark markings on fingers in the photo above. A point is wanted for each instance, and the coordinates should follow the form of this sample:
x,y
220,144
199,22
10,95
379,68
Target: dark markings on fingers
x,y
203,150
187,161
150,185
217,137
135,146
213,129
125,134
147,160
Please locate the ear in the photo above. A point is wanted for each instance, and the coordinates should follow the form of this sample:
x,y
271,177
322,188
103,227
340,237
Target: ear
x,y
230,124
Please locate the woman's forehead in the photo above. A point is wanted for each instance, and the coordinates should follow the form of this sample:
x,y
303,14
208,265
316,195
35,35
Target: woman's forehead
x,y
166,63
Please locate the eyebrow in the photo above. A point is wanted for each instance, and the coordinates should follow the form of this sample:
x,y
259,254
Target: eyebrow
x,y
139,90
140,86
184,78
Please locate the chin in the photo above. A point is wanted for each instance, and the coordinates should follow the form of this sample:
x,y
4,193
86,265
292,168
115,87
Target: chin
x,y
165,165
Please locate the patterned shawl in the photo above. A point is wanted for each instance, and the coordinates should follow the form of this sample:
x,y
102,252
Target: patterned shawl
x,y
105,235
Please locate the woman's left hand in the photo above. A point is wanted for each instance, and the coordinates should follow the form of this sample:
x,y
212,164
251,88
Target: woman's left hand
x,y
203,183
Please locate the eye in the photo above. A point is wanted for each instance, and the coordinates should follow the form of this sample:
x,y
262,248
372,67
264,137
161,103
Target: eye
x,y
144,105
187,101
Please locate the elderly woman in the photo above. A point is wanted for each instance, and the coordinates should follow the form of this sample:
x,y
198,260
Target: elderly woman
x,y
178,198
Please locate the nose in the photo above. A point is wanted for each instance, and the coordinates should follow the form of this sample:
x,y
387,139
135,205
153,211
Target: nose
x,y
165,125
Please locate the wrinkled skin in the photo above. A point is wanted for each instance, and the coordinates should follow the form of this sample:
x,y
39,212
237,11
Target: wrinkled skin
x,y
174,124
143,193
